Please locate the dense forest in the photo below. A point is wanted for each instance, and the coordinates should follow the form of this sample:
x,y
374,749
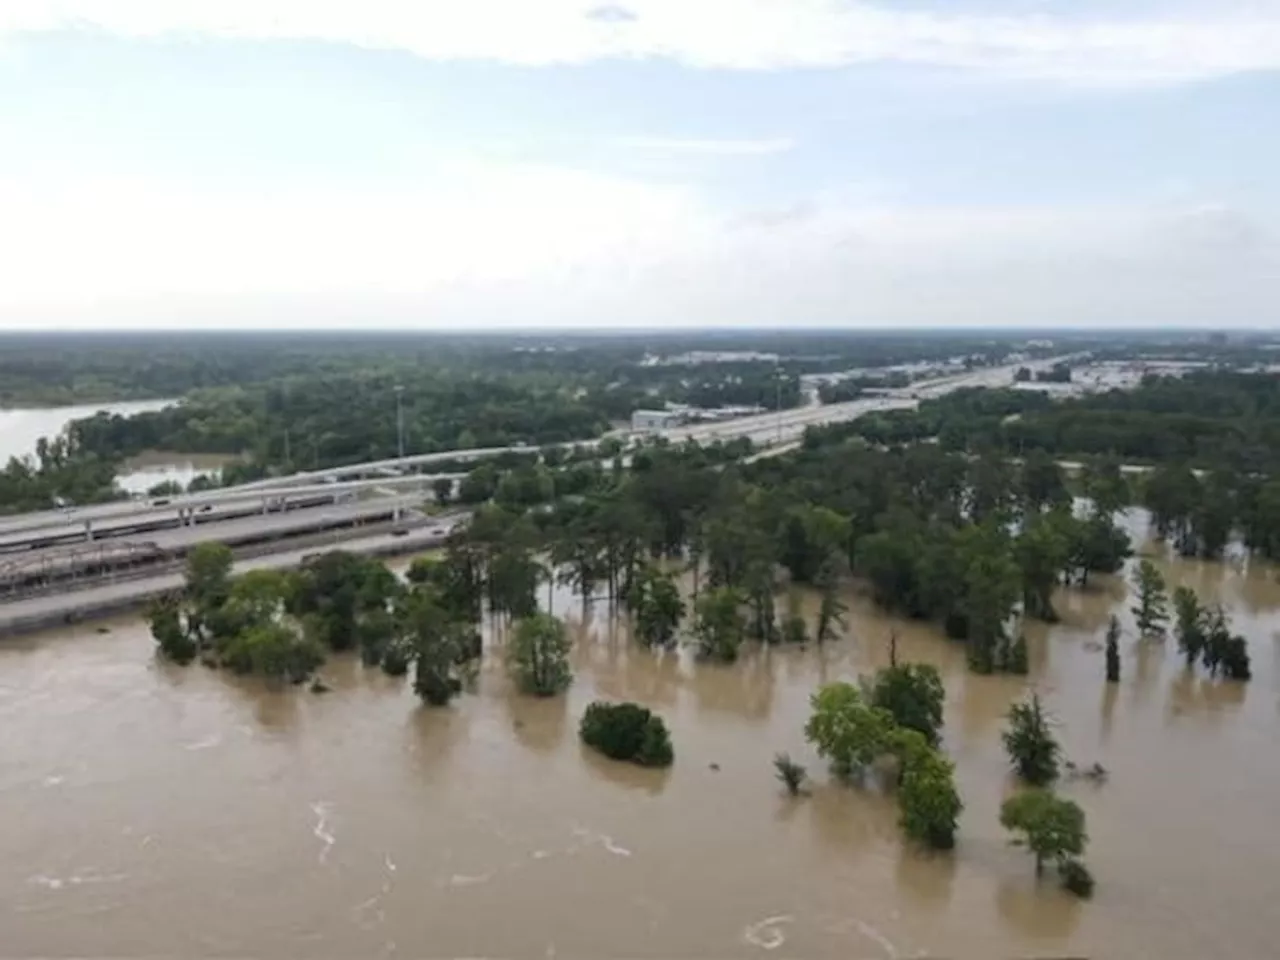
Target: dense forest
x,y
40,370
1207,419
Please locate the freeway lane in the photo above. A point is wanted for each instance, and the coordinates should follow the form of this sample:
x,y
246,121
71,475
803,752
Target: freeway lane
x,y
34,613
208,505
787,426
259,525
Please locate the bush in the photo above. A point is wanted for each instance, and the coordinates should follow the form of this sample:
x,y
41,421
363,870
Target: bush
x,y
789,773
914,694
395,660
795,631
1076,878
627,731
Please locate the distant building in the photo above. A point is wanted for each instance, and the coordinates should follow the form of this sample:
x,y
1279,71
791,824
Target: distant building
x,y
651,421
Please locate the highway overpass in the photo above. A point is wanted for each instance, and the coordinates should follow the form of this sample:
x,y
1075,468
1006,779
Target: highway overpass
x,y
109,596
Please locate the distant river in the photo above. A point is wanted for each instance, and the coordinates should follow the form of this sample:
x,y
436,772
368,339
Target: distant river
x,y
20,429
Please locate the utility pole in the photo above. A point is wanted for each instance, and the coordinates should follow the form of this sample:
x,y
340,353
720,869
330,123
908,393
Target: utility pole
x,y
777,375
400,419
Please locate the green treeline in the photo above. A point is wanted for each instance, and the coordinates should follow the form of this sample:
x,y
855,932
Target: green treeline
x,y
1213,418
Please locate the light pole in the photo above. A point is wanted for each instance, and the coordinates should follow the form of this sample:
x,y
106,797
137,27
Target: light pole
x,y
777,375
400,420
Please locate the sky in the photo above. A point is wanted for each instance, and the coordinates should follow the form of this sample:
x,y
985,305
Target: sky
x,y
469,164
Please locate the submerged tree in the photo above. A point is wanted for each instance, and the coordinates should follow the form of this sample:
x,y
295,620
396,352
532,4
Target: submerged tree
x,y
1204,633
1151,611
439,646
1113,651
655,602
913,694
789,773
928,803
538,655
1189,624
1053,829
1032,748
275,651
719,626
846,730
164,616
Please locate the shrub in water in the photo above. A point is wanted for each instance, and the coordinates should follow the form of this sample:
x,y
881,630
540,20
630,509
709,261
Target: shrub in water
x,y
627,731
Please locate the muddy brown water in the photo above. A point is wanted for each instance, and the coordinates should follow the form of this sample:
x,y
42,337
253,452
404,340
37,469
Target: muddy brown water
x,y
157,811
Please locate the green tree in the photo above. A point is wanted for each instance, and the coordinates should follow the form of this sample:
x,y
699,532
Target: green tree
x,y
831,609
719,625
928,802
1098,546
627,731
1172,493
538,655
1105,486
208,584
1224,652
1113,651
795,631
275,651
255,599
1042,484
656,604
1033,750
514,575
1151,611
991,582
1051,827
338,594
847,731
913,695
1042,551
438,645
1190,624
164,616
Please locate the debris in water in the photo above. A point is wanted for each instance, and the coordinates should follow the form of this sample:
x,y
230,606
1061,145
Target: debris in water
x,y
612,847
103,630
321,810
871,933
767,933
713,766
75,880
319,686
463,880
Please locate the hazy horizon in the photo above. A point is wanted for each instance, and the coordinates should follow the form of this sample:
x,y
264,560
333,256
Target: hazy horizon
x,y
517,164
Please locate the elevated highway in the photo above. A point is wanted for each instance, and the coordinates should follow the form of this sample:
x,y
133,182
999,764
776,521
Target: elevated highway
x,y
112,595
135,518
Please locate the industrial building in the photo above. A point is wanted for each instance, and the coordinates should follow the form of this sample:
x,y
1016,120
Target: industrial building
x,y
651,421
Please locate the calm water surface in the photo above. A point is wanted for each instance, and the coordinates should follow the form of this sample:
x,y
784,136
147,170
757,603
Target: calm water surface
x,y
152,810
20,429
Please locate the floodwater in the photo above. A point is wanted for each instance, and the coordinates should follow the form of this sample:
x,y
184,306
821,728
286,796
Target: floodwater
x,y
21,428
151,810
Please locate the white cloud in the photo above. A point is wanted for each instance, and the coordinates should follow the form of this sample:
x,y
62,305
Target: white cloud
x,y
715,148
540,246
1205,38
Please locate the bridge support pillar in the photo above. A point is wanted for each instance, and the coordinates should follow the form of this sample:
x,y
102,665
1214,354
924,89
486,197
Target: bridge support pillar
x,y
88,529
